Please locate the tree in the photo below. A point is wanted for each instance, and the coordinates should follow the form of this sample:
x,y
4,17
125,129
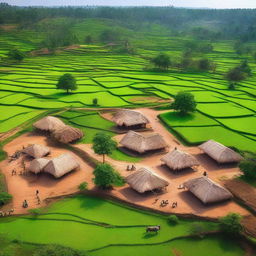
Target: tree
x,y
204,64
56,250
248,165
88,39
235,75
108,36
5,198
161,61
105,176
231,223
103,144
244,67
67,82
184,102
173,220
15,54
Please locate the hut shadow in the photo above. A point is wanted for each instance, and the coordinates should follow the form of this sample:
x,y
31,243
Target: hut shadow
x,y
135,197
211,165
197,206
142,155
172,175
90,202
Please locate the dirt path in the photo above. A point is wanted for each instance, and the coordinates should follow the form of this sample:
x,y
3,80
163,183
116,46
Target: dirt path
x,y
24,187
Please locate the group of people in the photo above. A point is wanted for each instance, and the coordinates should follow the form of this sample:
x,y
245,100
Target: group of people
x,y
25,202
7,213
132,168
164,203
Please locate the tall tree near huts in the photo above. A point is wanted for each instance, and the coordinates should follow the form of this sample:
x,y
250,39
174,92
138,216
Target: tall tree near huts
x,y
103,144
162,61
184,102
67,82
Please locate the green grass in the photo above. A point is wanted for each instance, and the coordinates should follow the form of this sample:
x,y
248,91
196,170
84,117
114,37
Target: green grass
x,y
78,216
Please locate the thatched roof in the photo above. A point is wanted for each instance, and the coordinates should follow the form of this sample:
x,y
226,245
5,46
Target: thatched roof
x,y
142,143
145,180
67,134
61,165
178,160
48,123
207,190
37,151
37,165
219,152
129,118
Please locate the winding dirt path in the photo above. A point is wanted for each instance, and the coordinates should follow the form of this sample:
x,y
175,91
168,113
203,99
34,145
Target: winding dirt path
x,y
24,187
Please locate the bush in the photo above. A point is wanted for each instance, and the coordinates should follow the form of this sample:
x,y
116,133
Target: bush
x,y
161,61
5,198
95,101
105,176
56,250
248,165
16,55
83,186
231,224
173,220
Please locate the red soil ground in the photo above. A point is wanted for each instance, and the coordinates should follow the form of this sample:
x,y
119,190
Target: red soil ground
x,y
24,187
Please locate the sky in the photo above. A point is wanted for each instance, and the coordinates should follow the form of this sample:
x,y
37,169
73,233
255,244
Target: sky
x,y
177,3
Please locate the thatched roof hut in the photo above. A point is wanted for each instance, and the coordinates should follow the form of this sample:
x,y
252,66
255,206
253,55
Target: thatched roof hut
x,y
67,134
48,123
207,190
129,118
143,142
37,165
145,180
219,152
36,150
178,160
61,165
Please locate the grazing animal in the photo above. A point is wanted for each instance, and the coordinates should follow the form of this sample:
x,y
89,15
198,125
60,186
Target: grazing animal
x,y
1,213
153,229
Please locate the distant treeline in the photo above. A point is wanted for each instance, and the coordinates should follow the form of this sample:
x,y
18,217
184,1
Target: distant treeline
x,y
202,23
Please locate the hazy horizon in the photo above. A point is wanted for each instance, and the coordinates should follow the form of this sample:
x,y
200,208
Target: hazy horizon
x,y
219,4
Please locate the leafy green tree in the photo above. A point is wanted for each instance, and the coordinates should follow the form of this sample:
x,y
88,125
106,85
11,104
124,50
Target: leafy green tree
x,y
204,64
231,223
235,75
67,82
56,250
15,54
108,36
5,198
88,39
103,144
184,102
105,176
162,61
248,165
83,186
244,67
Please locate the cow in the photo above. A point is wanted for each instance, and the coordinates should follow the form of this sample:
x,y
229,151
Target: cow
x,y
153,229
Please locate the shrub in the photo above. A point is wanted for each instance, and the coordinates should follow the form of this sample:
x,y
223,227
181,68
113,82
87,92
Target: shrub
x,y
231,224
161,61
83,186
105,176
173,219
248,165
184,102
95,101
56,250
5,198
16,55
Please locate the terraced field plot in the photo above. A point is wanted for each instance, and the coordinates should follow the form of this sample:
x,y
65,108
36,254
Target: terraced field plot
x,y
95,224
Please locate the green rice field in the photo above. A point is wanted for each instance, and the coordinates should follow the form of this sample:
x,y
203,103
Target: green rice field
x,y
107,228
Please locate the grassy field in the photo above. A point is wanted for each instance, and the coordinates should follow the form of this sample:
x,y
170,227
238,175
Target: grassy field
x,y
123,233
120,80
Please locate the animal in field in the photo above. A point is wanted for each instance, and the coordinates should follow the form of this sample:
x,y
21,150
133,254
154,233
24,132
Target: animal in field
x,y
1,213
153,229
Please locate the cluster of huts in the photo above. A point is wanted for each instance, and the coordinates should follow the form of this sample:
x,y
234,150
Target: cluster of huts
x,y
58,166
146,180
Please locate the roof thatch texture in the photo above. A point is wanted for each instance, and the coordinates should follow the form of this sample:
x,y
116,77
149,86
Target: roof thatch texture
x,y
145,180
219,152
207,190
61,165
142,143
36,150
129,118
48,123
67,134
177,160
37,165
